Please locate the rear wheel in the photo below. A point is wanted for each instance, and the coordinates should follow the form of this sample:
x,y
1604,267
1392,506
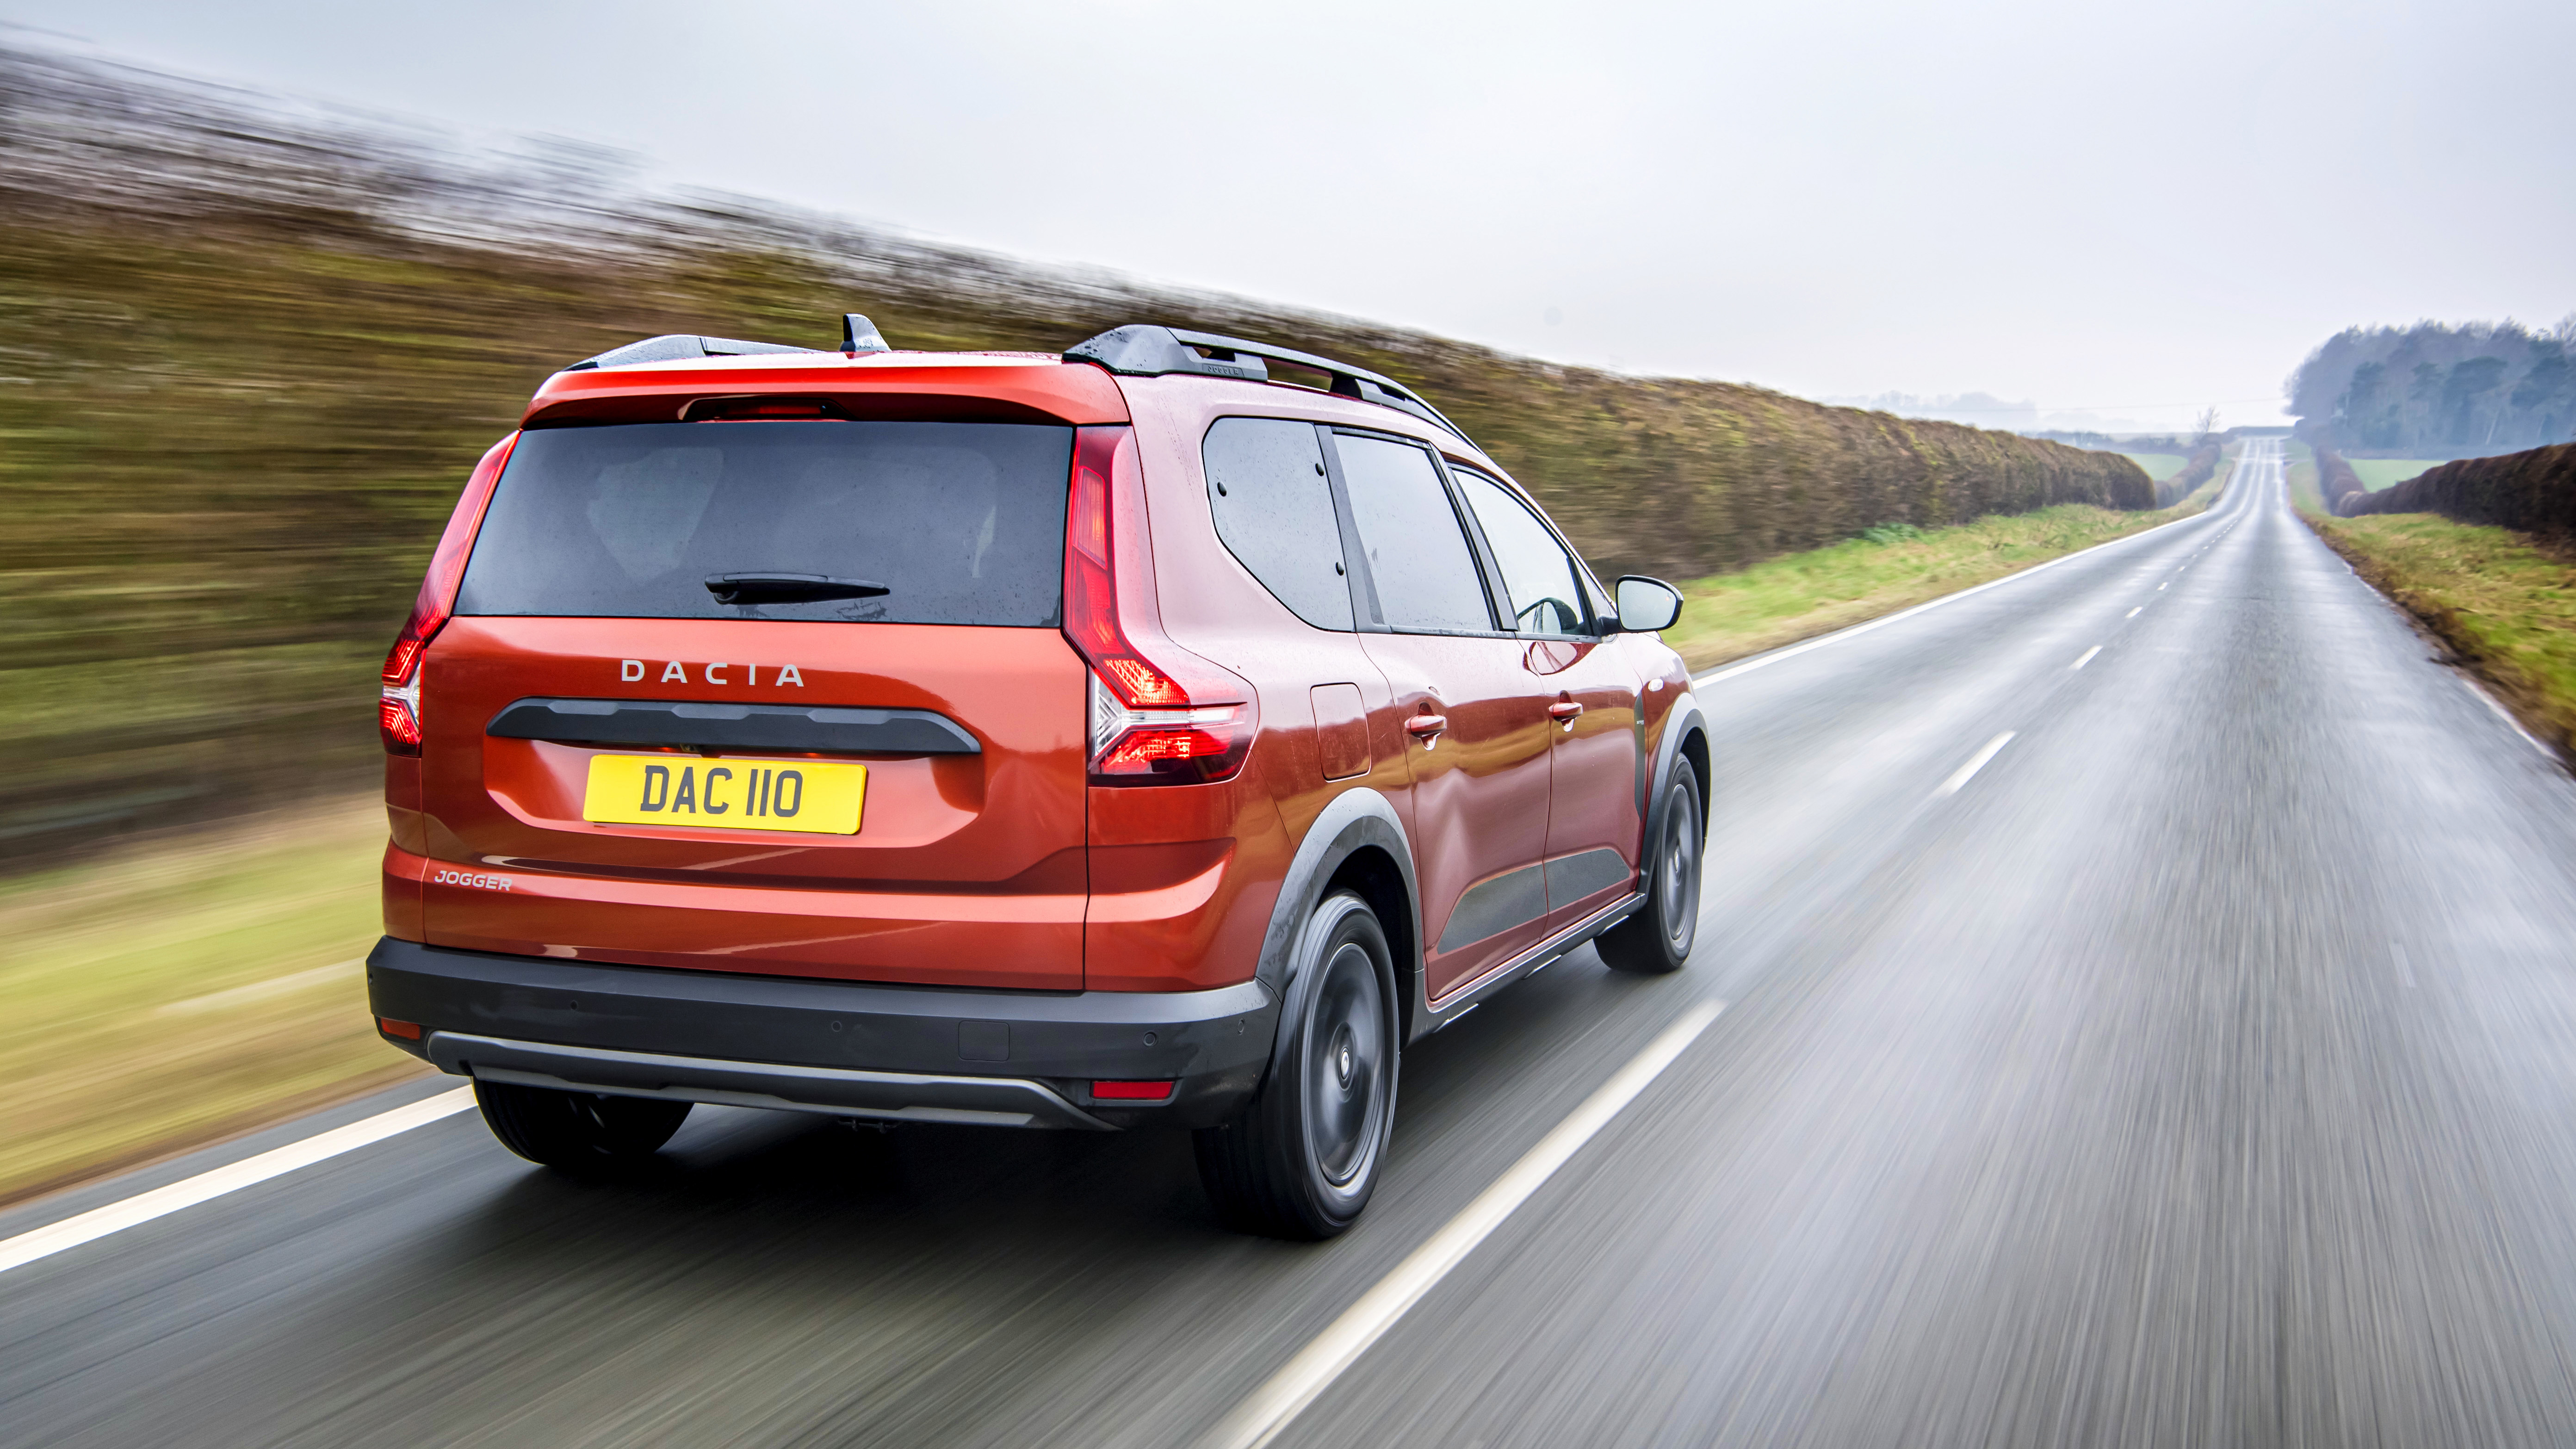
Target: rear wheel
x,y
1658,938
1303,1158
577,1131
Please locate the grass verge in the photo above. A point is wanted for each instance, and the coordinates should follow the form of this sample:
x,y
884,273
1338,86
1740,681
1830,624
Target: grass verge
x,y
1784,600
2503,603
178,992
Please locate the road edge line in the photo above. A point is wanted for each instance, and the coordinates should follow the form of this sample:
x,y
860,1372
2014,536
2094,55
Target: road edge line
x,y
1277,1403
187,1192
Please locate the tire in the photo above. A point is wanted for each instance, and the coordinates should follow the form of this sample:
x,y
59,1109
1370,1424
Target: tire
x,y
1302,1159
1658,938
577,1132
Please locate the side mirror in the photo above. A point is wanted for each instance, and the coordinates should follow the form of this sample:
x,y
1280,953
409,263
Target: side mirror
x,y
1646,605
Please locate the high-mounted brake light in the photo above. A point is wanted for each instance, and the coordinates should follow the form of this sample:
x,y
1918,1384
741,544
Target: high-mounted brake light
x,y
1160,715
398,713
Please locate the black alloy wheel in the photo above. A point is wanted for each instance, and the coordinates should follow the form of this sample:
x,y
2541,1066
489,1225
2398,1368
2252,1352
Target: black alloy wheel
x,y
1658,938
1303,1158
577,1132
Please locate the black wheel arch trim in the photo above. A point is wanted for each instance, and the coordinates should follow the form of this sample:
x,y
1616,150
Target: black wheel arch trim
x,y
1357,819
1682,721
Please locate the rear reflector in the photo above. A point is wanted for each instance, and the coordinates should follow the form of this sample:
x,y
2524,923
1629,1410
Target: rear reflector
x,y
407,1030
1131,1091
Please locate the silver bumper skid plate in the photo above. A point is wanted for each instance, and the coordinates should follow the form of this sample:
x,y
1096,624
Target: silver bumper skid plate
x,y
840,1091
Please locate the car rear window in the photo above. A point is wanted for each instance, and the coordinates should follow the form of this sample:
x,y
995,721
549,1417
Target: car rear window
x,y
961,523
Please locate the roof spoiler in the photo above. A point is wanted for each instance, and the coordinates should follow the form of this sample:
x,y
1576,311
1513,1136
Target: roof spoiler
x,y
1146,350
858,335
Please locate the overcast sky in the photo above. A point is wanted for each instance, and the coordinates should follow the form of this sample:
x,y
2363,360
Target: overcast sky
x,y
2134,209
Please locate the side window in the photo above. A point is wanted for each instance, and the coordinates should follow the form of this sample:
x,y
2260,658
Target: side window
x,y
1425,578
1538,574
1274,509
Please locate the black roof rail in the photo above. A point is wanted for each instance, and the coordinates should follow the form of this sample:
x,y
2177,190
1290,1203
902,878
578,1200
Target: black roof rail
x,y
1143,349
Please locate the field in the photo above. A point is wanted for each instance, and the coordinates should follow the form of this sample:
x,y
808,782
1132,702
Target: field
x,y
2159,466
1784,600
178,991
2378,473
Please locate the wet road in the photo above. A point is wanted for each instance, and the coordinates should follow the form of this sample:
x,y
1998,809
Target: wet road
x,y
2199,1069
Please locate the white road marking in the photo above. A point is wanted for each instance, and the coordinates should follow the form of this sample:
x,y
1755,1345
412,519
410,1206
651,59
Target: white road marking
x,y
2088,657
2493,703
98,1222
259,990
1855,631
2133,613
2160,588
1258,1419
1975,763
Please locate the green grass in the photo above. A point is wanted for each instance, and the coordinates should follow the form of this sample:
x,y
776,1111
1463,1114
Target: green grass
x,y
177,992
1783,600
2159,466
2378,473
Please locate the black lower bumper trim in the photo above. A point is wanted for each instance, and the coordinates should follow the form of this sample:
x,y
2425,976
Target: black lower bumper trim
x,y
731,1033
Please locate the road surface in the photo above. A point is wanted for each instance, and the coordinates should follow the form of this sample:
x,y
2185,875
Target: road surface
x,y
2200,1068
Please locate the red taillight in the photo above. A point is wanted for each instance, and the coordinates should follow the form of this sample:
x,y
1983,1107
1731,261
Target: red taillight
x,y
1159,713
407,1030
398,714
1131,1091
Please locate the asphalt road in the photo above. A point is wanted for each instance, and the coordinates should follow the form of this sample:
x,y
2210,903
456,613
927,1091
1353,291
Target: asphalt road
x,y
2201,1070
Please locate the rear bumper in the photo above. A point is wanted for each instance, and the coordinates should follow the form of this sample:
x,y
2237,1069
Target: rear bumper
x,y
852,1048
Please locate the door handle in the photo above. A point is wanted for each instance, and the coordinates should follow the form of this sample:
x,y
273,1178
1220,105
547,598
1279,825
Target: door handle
x,y
1426,727
1564,711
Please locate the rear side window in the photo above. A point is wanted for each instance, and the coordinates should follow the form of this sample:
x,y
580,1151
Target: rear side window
x,y
1426,580
1274,509
1538,574
960,523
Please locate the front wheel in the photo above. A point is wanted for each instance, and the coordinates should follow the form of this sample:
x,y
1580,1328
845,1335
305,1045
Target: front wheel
x,y
577,1132
1659,936
1303,1158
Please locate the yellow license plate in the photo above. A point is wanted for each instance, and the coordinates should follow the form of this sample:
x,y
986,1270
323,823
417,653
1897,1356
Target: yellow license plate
x,y
814,796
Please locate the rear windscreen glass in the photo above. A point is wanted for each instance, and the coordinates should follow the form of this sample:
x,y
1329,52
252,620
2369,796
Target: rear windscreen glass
x,y
901,523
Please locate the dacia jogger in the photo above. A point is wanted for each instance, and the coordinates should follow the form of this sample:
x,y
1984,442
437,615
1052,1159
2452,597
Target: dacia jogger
x,y
1161,734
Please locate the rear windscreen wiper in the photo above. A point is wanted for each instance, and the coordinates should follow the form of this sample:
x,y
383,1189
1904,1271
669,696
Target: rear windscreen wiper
x,y
789,588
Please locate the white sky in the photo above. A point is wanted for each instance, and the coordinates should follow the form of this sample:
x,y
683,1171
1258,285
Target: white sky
x,y
2138,209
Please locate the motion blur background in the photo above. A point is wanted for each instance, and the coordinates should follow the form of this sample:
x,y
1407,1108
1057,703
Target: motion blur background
x,y
272,275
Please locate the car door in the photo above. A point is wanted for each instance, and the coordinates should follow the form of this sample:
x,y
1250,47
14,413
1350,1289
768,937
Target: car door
x,y
1595,789
1475,803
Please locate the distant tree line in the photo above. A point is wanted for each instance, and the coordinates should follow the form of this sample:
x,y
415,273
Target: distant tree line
x,y
2436,389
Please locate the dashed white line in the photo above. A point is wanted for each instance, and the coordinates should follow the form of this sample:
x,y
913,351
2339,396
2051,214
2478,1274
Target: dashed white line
x,y
2133,613
1258,1419
98,1222
1975,763
2160,588
2087,657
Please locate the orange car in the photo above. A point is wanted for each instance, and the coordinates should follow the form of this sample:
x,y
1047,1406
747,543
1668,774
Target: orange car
x,y
1161,734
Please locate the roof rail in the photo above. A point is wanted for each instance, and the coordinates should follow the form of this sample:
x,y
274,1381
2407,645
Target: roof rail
x,y
1145,350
